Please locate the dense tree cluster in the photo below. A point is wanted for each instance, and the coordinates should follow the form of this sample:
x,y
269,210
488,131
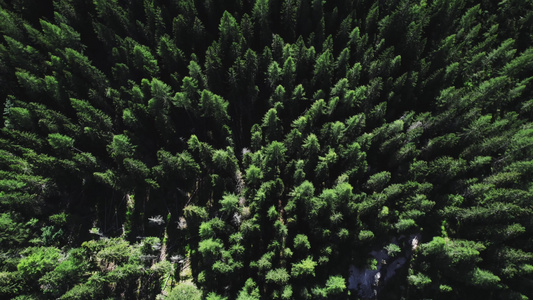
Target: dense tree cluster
x,y
255,149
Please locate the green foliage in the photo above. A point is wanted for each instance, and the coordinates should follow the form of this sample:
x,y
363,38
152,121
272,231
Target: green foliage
x,y
301,242
10,283
59,219
405,224
18,117
393,249
83,291
213,106
250,291
113,251
304,268
419,280
455,252
91,117
483,278
378,181
272,125
229,204
65,275
335,285
284,141
214,296
366,235
121,147
278,276
144,60
38,261
253,175
210,248
14,233
185,291
195,212
159,103
210,228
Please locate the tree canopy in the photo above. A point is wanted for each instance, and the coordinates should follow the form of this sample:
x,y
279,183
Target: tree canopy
x,y
266,149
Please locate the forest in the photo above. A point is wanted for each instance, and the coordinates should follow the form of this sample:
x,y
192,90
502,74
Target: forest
x,y
266,149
